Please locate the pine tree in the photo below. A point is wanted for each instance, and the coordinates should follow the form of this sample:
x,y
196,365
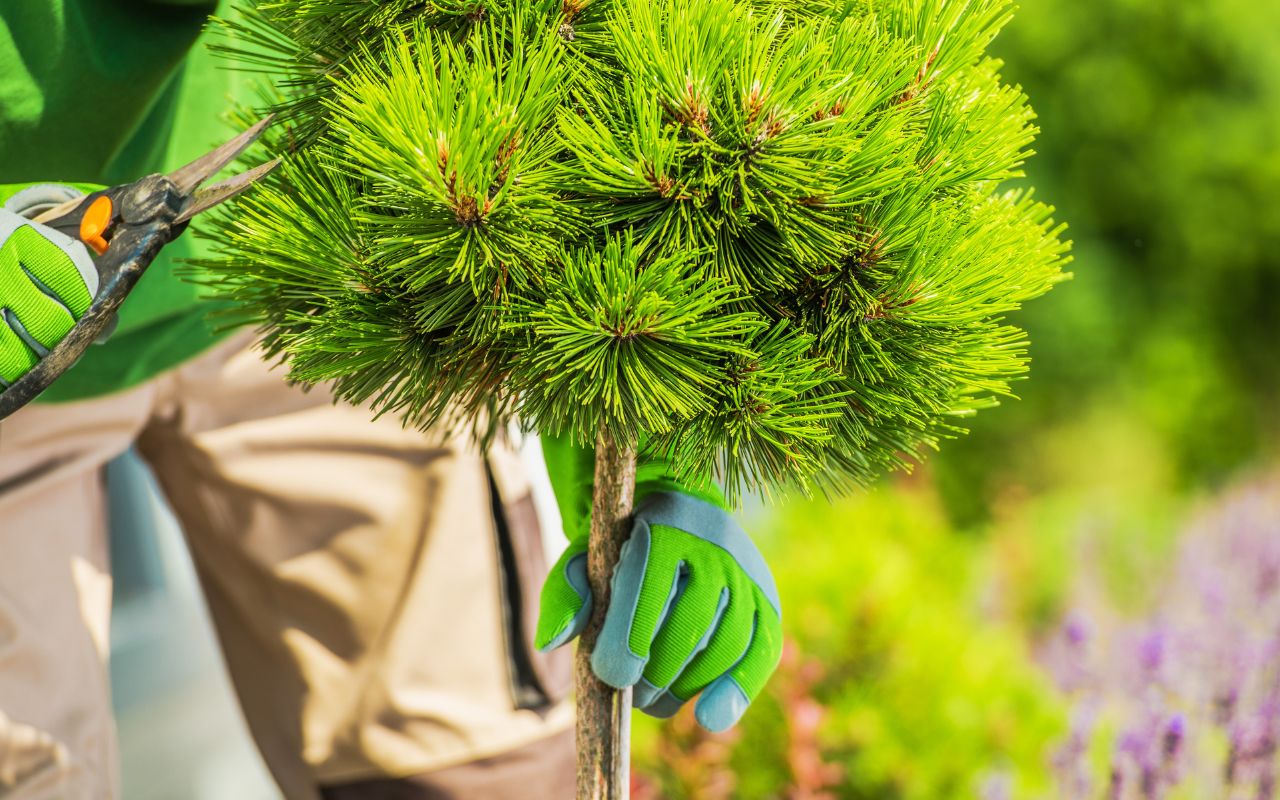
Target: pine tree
x,y
761,239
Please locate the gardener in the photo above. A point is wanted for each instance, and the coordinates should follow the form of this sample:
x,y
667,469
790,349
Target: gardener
x,y
371,586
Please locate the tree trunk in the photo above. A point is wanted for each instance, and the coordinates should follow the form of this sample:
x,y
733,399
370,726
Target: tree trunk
x,y
604,714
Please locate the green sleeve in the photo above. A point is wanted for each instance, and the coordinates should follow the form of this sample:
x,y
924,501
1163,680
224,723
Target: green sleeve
x,y
571,469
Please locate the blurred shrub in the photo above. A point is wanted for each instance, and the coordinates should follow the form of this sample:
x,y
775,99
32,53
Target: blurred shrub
x,y
1118,519
893,685
1160,146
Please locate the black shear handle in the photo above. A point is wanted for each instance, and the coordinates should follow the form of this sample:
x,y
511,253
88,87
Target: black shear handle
x,y
144,212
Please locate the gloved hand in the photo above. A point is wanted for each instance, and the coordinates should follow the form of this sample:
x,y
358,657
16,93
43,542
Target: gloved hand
x,y
47,281
694,609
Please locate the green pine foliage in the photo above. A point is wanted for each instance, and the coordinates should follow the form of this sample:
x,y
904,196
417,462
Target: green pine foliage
x,y
767,238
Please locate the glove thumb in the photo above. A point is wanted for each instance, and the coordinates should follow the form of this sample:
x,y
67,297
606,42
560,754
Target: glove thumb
x,y
566,601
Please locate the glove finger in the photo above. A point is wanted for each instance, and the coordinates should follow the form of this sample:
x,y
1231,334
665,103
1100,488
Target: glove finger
x,y
58,264
16,357
662,704
565,604
725,700
726,648
694,619
723,649
32,310
40,322
644,587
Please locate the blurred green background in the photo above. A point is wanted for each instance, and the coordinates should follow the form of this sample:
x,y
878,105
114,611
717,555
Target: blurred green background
x,y
923,614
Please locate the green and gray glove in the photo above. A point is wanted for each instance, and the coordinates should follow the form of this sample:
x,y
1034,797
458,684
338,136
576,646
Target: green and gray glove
x,y
694,607
47,280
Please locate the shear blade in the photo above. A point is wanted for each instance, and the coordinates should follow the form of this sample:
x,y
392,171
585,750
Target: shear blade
x,y
187,178
211,196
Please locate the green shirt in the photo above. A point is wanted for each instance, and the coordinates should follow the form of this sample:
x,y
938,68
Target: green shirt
x,y
106,91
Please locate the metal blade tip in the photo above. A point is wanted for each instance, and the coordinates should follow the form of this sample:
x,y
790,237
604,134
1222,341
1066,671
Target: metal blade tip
x,y
187,178
211,196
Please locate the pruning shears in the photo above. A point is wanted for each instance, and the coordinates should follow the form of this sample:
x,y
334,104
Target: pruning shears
x,y
125,227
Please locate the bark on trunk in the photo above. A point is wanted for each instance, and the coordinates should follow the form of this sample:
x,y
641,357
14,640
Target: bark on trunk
x,y
604,714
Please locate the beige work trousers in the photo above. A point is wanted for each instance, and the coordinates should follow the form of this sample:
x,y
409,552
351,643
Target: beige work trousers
x,y
373,588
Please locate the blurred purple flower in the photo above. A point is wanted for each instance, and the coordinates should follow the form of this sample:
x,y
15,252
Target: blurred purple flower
x,y
1070,762
1067,655
1151,651
1207,657
1175,732
1076,629
997,786
1115,786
